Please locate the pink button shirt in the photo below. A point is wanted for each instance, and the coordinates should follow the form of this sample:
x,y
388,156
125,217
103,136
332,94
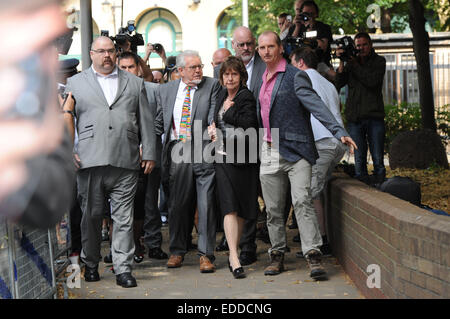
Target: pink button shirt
x,y
265,96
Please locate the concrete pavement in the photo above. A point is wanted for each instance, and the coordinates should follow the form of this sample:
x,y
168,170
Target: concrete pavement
x,y
156,281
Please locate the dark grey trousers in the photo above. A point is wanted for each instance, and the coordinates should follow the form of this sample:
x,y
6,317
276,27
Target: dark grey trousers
x,y
152,220
95,186
191,185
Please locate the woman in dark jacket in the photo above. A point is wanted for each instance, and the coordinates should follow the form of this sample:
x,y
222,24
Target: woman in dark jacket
x,y
236,168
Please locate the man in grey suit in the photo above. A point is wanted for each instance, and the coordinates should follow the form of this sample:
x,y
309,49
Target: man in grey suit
x,y
113,118
182,105
285,101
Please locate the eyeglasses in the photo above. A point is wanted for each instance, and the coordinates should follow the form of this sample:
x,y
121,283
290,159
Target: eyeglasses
x,y
102,52
194,67
243,44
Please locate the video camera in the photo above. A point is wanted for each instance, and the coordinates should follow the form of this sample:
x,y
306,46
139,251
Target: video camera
x,y
126,34
307,39
348,45
64,42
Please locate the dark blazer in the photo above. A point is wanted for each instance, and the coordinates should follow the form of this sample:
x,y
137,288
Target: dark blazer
x,y
202,108
258,69
241,115
293,100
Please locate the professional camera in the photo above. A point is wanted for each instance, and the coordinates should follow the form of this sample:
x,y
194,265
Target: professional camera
x,y
348,45
126,34
305,16
64,42
307,39
157,47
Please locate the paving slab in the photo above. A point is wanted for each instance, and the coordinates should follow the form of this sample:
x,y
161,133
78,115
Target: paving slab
x,y
156,281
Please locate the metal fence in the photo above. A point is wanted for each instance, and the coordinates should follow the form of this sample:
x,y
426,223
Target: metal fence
x,y
31,260
401,79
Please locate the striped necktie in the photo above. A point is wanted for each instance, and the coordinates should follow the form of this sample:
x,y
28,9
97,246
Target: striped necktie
x,y
185,124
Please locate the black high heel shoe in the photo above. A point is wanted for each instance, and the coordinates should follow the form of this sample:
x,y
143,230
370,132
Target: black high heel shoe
x,y
238,273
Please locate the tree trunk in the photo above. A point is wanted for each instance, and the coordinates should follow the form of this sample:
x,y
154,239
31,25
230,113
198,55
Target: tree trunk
x,y
421,43
386,21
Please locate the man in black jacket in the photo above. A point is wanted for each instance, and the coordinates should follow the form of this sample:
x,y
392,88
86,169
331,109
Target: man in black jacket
x,y
364,109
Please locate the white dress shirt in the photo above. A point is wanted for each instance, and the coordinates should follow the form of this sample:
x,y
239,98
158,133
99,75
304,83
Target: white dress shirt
x,y
178,108
249,68
108,83
330,97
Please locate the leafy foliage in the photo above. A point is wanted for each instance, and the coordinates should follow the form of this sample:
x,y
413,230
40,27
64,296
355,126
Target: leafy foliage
x,y
407,117
350,15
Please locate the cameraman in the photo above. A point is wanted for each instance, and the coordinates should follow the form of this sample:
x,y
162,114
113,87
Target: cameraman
x,y
364,109
305,20
144,69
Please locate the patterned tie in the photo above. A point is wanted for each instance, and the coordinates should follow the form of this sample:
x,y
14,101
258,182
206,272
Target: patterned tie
x,y
185,124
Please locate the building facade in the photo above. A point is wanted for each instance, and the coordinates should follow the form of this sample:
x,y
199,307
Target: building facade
x,y
178,25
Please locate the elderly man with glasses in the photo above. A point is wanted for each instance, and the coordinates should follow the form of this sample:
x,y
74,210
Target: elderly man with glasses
x,y
113,118
185,108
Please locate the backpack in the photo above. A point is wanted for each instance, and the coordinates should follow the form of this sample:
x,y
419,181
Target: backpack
x,y
404,188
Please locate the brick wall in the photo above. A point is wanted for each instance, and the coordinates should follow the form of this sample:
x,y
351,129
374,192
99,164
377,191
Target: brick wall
x,y
410,245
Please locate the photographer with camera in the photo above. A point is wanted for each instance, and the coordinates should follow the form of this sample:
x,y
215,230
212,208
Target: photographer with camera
x,y
284,22
155,48
364,109
307,31
127,40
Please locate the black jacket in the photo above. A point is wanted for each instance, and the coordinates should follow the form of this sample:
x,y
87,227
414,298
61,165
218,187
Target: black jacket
x,y
365,86
241,115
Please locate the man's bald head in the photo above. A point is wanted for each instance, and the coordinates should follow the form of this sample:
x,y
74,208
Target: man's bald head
x,y
243,43
219,56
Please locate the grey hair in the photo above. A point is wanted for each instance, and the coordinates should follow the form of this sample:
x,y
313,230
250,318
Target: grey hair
x,y
181,61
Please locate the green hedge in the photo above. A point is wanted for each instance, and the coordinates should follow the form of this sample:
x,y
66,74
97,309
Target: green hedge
x,y
407,117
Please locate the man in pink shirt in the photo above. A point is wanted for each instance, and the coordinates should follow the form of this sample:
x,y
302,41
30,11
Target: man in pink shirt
x,y
286,100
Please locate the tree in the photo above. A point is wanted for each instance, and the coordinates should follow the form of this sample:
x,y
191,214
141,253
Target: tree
x,y
421,45
348,15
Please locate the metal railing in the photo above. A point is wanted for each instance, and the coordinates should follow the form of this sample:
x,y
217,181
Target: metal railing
x,y
31,260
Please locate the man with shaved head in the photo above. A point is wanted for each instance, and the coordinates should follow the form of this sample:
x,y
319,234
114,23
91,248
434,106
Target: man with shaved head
x,y
113,118
219,56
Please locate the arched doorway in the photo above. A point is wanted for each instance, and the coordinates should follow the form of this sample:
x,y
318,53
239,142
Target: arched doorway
x,y
225,28
161,26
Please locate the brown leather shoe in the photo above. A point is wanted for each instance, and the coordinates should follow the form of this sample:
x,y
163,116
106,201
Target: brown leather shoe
x,y
206,265
276,264
175,261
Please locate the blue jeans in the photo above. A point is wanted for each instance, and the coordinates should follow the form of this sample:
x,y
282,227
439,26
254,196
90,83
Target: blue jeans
x,y
368,131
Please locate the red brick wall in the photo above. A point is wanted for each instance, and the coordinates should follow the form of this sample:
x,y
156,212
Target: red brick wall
x,y
410,245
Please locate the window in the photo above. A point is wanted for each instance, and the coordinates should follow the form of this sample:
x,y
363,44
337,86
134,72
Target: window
x,y
225,28
161,26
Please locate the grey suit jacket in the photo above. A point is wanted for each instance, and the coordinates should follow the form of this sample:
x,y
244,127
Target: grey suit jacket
x,y
110,135
202,108
151,89
258,69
